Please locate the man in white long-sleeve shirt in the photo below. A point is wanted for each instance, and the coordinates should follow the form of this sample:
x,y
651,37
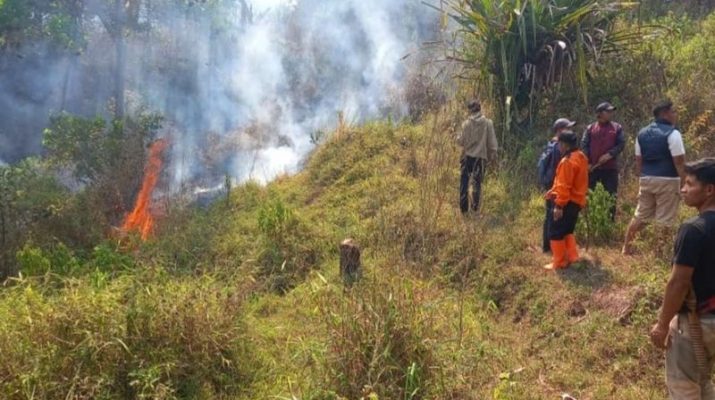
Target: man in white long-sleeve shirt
x,y
479,143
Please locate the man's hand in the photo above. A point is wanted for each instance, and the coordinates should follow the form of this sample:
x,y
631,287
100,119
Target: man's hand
x,y
558,213
604,159
659,336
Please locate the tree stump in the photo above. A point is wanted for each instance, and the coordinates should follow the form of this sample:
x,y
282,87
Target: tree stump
x,y
350,266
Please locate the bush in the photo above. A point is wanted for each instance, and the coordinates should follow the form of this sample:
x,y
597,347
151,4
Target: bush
x,y
30,199
595,223
288,249
148,338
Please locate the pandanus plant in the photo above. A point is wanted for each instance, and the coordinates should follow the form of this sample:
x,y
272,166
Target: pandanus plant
x,y
523,48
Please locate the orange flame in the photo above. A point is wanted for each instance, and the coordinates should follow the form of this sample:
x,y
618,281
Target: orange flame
x,y
140,219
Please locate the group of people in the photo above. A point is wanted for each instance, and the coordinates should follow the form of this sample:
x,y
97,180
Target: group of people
x,y
660,163
571,166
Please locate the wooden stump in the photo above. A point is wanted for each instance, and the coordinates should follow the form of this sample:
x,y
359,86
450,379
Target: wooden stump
x,y
350,266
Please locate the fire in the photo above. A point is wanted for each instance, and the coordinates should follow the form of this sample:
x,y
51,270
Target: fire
x,y
141,219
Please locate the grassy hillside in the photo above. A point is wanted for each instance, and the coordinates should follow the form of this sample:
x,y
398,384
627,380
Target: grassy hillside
x,y
244,300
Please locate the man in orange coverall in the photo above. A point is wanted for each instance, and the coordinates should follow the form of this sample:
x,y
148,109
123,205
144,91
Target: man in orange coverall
x,y
569,196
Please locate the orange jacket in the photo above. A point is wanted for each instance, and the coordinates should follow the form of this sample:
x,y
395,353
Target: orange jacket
x,y
571,181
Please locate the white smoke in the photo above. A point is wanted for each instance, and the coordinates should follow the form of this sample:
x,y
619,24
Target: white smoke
x,y
243,88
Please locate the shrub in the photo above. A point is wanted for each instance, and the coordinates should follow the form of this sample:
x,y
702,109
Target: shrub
x,y
151,337
595,223
288,247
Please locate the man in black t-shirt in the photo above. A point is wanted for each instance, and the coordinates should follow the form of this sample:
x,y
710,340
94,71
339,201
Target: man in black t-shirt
x,y
686,325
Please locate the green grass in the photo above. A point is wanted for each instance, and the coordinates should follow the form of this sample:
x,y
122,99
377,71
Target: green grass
x,y
245,301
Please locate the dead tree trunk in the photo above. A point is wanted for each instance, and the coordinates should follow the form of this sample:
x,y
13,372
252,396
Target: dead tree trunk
x,y
350,266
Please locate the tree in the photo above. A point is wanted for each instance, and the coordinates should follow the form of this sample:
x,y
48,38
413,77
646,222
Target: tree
x,y
523,47
28,197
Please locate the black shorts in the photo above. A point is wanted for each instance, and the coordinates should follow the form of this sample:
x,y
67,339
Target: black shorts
x,y
567,224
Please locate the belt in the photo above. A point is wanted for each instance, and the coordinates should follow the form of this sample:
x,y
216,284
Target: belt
x,y
707,306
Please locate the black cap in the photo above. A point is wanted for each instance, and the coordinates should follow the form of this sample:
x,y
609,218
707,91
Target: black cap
x,y
563,123
605,106
569,138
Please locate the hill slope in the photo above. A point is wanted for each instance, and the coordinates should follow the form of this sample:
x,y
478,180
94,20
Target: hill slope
x,y
244,300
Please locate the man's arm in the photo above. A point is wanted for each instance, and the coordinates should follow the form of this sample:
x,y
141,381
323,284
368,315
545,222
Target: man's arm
x,y
459,137
586,142
688,247
463,135
675,293
677,150
679,162
620,143
639,165
492,141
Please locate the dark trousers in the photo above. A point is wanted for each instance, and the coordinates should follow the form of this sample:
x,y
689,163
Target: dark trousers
x,y
472,172
567,224
546,246
609,179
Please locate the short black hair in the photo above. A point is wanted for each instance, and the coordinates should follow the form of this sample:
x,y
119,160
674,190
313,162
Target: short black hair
x,y
664,105
703,170
569,138
474,105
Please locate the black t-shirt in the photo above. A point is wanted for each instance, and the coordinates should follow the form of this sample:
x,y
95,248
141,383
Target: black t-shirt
x,y
695,247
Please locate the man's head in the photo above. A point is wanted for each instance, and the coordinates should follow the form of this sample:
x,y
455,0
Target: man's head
x,y
604,112
665,111
567,141
562,124
474,106
699,188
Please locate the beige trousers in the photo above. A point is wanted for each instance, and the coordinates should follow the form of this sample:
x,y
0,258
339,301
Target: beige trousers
x,y
681,369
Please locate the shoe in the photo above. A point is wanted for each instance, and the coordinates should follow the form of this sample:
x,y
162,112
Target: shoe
x,y
571,249
559,260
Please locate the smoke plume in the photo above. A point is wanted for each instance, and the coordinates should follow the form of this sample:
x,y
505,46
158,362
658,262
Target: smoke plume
x,y
245,88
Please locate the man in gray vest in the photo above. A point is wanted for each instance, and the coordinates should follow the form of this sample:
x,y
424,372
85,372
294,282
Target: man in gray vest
x,y
660,160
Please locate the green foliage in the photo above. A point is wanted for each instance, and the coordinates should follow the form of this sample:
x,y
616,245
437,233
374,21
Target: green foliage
x,y
149,338
28,20
92,147
379,341
288,248
275,220
61,261
29,199
32,261
523,48
691,68
595,223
